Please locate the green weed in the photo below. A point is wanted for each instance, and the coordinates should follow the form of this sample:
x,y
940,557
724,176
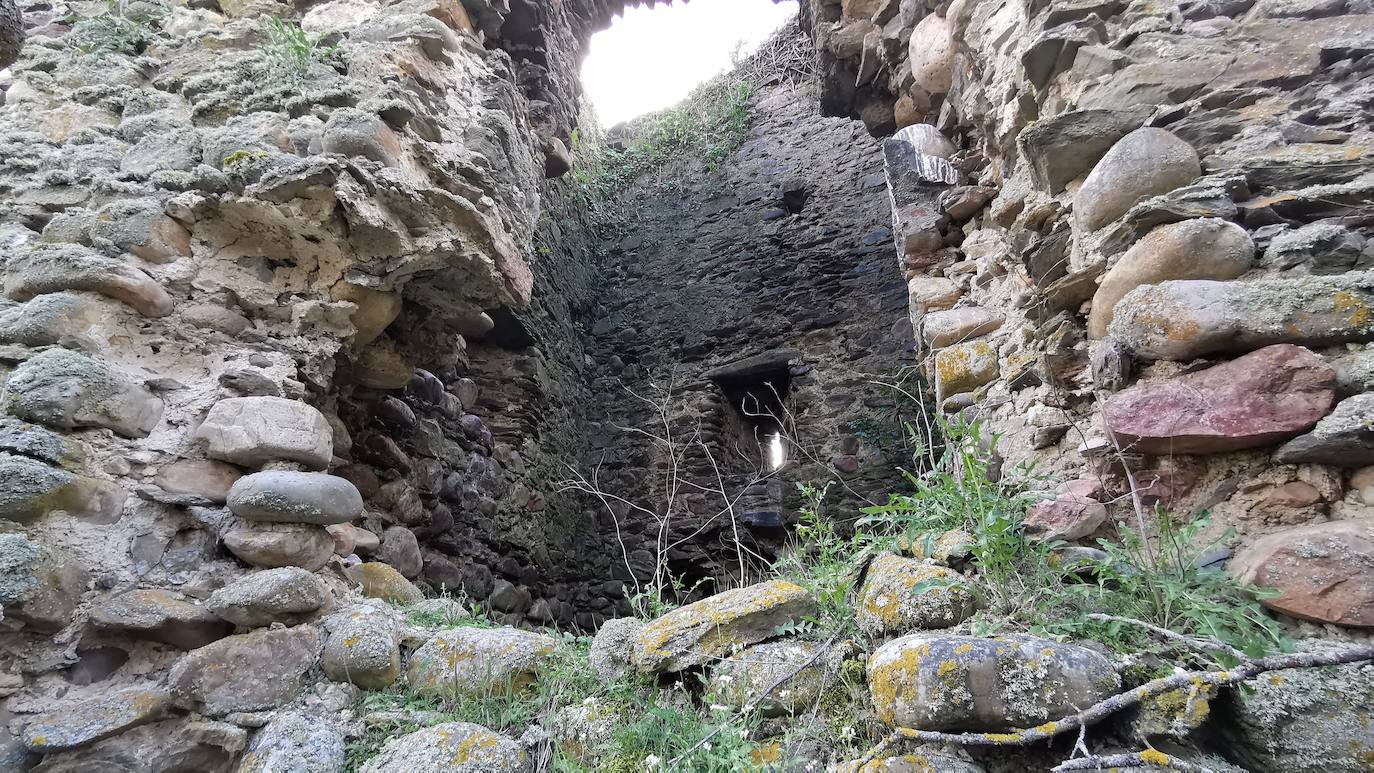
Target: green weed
x,y
291,53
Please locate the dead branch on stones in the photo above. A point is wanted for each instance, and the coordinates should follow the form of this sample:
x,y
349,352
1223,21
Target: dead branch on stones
x,y
672,444
1195,642
1248,669
1143,759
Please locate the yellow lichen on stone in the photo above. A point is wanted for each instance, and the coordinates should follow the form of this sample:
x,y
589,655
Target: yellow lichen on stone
x,y
1154,757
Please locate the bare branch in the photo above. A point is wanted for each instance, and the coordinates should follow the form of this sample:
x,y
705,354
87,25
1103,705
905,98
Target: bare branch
x,y
1144,759
1106,708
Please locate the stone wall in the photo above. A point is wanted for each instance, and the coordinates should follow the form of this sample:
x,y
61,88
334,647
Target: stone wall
x,y
779,258
1136,241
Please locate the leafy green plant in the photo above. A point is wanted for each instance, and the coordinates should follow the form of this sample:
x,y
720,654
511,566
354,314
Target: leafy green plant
x,y
959,493
822,561
119,30
290,52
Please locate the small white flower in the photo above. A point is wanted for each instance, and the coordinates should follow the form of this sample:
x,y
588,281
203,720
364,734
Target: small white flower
x,y
718,707
652,762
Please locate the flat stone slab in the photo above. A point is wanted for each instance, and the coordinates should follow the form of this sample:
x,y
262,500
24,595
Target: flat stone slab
x,y
712,628
1189,318
82,722
1253,401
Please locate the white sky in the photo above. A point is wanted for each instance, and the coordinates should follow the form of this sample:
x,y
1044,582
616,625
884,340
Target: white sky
x,y
651,58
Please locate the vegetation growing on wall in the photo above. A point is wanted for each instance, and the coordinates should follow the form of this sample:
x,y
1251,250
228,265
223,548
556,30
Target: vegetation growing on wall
x,y
702,130
291,52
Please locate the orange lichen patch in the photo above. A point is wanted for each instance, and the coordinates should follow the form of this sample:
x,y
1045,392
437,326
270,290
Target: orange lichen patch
x,y
766,754
472,746
1356,307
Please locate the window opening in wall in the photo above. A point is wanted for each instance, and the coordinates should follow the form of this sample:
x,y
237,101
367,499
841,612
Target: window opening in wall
x,y
755,389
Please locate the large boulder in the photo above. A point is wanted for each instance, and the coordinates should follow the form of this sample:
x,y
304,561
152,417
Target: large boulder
x,y
253,431
1344,438
1204,248
1188,318
1144,163
55,268
160,615
743,677
83,721
1304,720
295,742
904,594
61,388
285,496
287,595
364,646
270,545
714,627
478,661
454,747
613,646
249,672
931,682
1322,572
1253,401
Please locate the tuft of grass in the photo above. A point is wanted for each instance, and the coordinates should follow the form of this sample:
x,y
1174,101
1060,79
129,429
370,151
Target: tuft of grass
x,y
823,562
290,52
1150,577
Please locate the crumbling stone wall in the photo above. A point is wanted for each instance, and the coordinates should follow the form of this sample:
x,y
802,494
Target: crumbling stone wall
x,y
1136,238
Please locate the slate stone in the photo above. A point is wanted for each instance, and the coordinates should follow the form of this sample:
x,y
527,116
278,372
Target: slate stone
x,y
1344,438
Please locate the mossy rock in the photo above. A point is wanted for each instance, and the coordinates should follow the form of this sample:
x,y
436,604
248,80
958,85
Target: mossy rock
x,y
903,594
720,625
931,682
